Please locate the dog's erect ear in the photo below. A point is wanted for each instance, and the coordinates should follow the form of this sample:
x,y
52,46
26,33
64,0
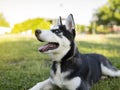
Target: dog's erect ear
x,y
59,21
70,24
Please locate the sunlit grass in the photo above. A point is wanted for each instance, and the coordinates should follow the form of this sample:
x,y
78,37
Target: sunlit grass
x,y
22,66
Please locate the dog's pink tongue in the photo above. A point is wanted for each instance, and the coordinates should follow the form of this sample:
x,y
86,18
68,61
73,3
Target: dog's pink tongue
x,y
43,48
46,47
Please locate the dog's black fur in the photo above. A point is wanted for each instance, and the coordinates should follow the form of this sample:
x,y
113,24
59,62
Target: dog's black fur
x,y
88,67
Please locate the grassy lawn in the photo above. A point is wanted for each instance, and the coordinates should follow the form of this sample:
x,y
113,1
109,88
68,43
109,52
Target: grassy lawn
x,y
22,66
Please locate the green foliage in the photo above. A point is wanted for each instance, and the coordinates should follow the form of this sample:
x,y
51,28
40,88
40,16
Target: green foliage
x,y
31,24
22,66
109,13
82,29
3,21
103,29
92,29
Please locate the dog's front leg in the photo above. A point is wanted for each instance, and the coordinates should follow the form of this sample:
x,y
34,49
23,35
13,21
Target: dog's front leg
x,y
45,85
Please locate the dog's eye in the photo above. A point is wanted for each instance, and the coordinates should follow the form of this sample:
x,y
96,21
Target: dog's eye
x,y
56,31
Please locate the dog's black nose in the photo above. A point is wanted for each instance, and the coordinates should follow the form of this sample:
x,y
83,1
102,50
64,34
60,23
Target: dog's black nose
x,y
37,32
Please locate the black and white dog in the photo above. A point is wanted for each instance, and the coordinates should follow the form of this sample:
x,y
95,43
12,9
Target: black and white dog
x,y
70,69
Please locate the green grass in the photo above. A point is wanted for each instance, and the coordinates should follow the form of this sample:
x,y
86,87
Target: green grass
x,y
22,66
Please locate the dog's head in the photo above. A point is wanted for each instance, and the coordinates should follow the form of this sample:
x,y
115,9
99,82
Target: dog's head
x,y
60,39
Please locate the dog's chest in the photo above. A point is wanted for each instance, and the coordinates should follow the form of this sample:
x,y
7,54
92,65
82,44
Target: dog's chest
x,y
58,77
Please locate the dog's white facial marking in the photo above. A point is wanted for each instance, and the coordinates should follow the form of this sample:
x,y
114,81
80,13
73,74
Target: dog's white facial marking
x,y
47,36
109,72
64,47
59,79
64,44
55,27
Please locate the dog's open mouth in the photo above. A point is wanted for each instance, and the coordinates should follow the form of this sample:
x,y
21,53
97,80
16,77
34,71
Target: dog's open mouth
x,y
49,46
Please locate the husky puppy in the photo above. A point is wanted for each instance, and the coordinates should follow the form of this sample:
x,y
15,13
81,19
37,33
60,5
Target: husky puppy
x,y
70,69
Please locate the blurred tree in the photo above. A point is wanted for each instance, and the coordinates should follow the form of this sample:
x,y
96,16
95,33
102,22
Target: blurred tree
x,y
3,21
109,14
80,28
31,24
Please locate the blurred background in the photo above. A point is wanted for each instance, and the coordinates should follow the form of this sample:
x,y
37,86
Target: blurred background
x,y
91,16
22,66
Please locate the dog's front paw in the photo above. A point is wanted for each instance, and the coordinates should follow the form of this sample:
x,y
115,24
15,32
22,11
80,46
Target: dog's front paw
x,y
36,87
